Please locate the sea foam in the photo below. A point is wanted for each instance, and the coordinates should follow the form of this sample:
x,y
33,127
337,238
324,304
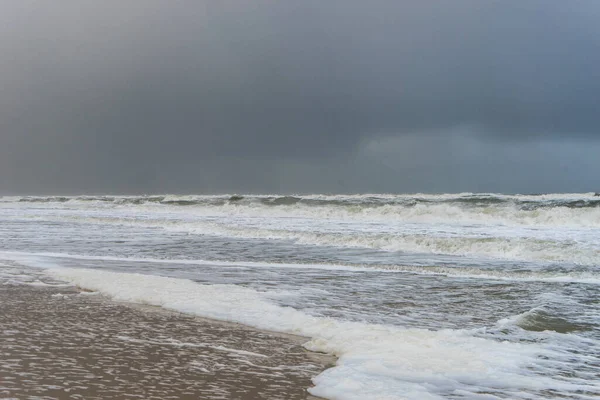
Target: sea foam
x,y
550,210
375,361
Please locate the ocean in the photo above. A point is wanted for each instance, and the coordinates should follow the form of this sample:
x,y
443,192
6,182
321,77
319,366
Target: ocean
x,y
449,296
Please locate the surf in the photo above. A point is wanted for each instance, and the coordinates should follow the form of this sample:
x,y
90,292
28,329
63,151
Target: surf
x,y
374,361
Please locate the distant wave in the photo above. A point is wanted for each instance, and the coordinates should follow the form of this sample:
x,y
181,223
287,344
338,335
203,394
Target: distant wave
x,y
521,202
556,210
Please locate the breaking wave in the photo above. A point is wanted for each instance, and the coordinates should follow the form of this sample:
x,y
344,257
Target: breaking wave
x,y
49,260
553,228
568,210
375,361
515,248
539,320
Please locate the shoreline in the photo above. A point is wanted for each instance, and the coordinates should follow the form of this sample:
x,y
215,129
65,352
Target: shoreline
x,y
65,342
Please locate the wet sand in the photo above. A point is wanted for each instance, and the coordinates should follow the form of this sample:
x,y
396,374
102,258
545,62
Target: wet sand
x,y
61,343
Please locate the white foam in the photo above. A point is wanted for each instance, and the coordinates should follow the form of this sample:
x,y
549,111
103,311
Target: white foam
x,y
553,234
549,246
45,260
17,275
503,231
438,208
516,248
420,213
375,361
327,197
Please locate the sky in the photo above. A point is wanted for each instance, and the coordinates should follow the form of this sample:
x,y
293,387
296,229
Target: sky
x,y
295,97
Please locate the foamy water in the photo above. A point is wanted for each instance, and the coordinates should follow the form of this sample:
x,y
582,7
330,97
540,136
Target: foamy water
x,y
478,296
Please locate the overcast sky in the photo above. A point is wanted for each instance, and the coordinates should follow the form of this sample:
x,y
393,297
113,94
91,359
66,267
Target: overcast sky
x,y
299,96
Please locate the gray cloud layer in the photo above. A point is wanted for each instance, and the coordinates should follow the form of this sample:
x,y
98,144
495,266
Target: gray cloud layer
x,y
175,95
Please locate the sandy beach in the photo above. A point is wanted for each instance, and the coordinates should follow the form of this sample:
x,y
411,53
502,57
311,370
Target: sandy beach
x,y
58,342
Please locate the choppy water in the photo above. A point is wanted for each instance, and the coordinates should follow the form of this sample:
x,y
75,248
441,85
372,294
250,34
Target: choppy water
x,y
478,296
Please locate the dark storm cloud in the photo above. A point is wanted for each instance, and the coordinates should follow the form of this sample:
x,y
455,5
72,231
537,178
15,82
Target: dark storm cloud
x,y
93,91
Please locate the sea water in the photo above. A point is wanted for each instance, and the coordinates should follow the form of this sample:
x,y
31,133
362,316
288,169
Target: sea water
x,y
474,296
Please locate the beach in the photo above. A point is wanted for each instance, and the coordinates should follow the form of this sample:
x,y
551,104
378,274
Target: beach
x,y
59,342
388,200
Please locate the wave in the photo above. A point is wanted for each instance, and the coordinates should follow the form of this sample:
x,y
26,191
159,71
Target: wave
x,y
489,247
561,210
51,260
517,248
539,319
566,199
380,361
